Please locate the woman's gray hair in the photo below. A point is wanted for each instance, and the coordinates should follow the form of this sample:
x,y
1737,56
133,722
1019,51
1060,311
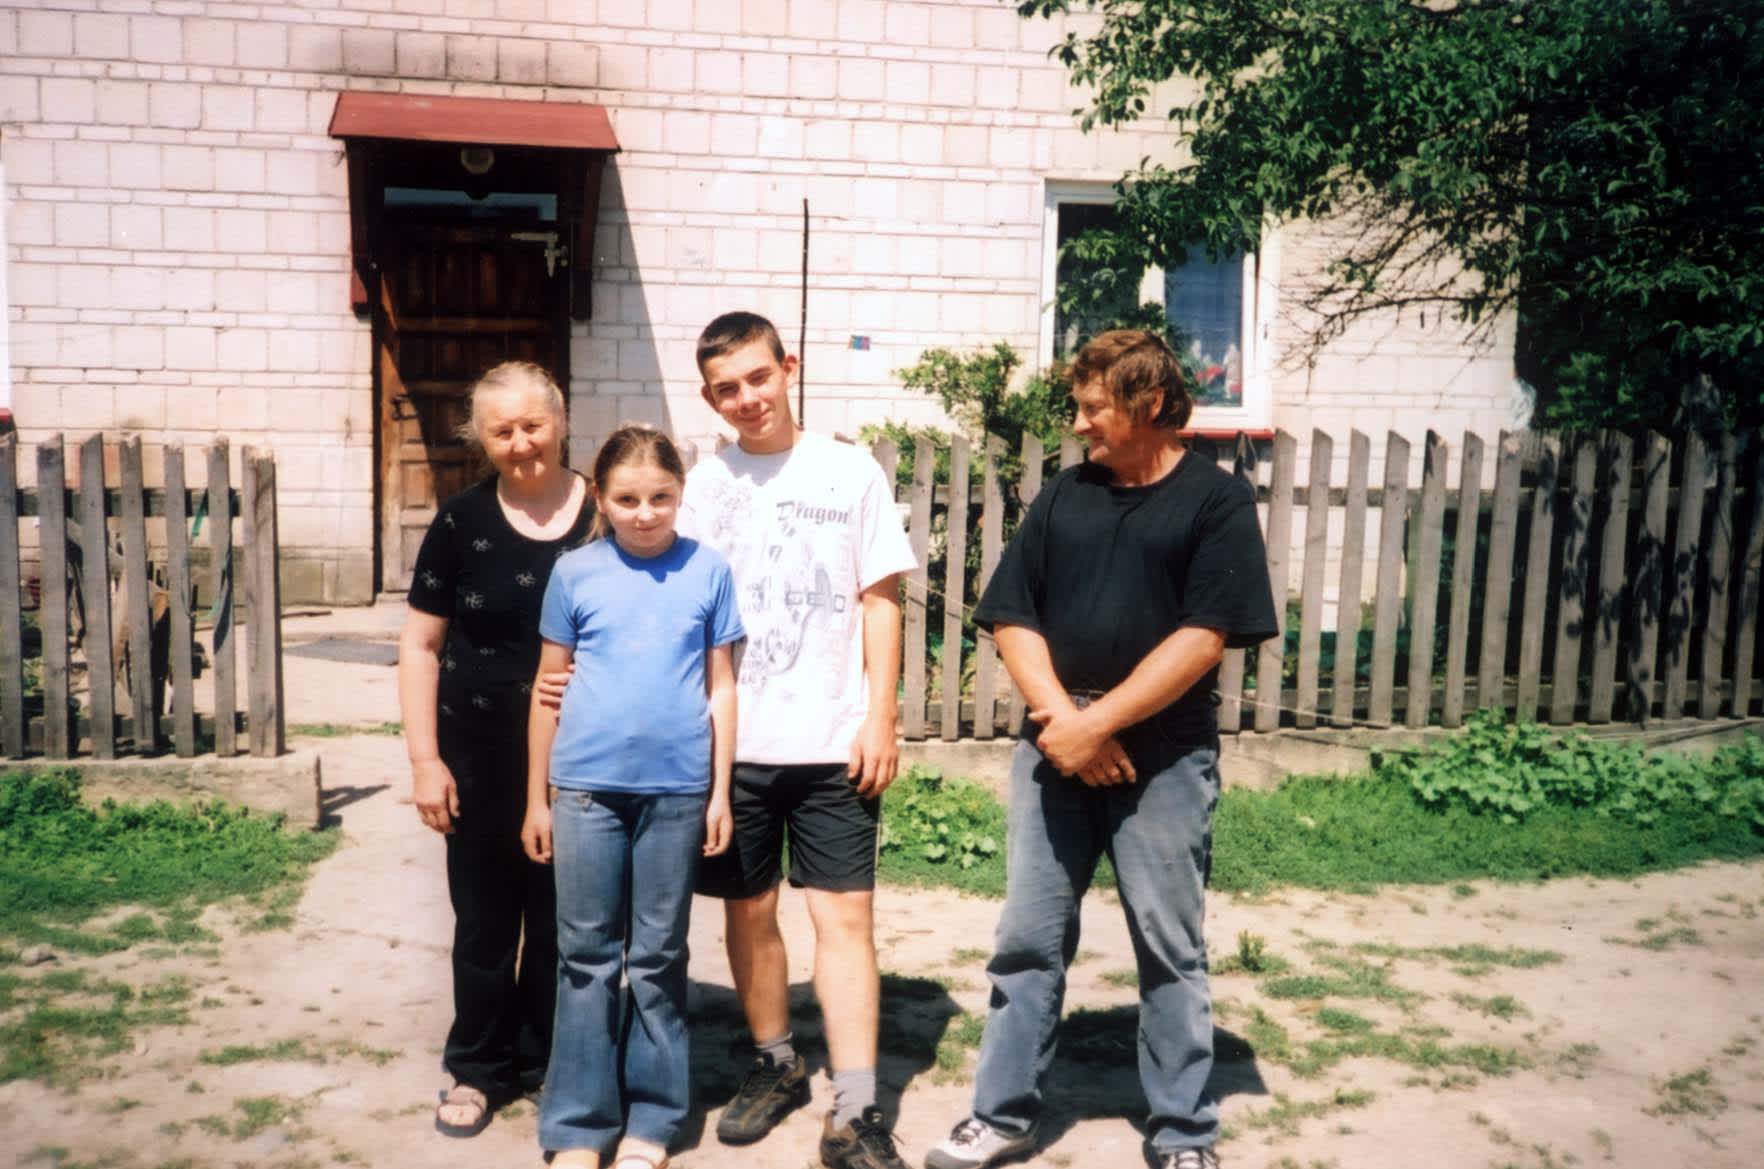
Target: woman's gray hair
x,y
512,375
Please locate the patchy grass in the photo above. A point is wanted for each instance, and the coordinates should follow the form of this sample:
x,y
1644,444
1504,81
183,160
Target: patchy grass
x,y
1691,1093
1348,977
297,1049
1284,1115
1352,1036
1501,1006
339,730
252,1115
57,1026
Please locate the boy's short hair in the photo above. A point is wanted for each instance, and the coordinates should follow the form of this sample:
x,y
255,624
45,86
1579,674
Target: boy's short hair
x,y
1134,365
733,330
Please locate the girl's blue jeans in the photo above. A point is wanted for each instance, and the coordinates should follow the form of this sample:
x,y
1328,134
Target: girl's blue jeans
x,y
1158,834
625,865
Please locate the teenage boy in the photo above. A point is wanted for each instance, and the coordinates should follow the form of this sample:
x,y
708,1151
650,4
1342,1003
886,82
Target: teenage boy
x,y
1112,608
809,527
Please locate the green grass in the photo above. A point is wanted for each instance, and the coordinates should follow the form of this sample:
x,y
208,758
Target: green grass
x,y
1691,1093
337,730
62,863
1392,825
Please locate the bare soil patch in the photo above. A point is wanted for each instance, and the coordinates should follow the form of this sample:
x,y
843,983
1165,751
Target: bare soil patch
x,y
1574,1022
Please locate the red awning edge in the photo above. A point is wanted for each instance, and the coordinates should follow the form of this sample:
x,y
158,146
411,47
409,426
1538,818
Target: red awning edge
x,y
485,121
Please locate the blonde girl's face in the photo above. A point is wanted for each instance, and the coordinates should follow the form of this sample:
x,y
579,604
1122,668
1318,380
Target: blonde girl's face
x,y
640,501
522,437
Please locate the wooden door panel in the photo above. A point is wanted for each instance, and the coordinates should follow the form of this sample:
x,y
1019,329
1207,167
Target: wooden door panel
x,y
455,300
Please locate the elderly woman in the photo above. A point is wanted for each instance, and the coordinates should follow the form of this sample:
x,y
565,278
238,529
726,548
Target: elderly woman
x,y
465,668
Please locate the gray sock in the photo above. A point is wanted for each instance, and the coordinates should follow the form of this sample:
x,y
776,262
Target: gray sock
x,y
853,1091
780,1051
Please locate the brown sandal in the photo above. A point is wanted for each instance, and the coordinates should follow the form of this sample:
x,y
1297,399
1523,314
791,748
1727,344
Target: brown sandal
x,y
463,1096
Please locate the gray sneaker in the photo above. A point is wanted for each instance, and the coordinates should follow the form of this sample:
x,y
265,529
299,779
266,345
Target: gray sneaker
x,y
1203,1158
974,1143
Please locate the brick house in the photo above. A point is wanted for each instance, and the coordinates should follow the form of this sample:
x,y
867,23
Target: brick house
x,y
307,225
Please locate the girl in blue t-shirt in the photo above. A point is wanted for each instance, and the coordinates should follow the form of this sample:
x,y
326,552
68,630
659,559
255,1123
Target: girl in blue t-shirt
x,y
627,786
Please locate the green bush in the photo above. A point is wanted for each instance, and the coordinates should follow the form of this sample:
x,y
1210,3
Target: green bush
x,y
938,831
1511,770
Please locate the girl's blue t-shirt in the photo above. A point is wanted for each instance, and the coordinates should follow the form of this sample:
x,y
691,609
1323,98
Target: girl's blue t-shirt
x,y
635,717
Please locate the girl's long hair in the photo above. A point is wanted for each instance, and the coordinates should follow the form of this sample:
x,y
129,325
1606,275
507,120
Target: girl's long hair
x,y
633,444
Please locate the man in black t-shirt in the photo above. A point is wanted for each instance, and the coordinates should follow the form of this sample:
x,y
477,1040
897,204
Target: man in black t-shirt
x,y
1112,608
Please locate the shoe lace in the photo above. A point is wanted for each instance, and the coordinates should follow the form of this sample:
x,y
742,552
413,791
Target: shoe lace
x,y
762,1077
1190,1159
970,1131
873,1136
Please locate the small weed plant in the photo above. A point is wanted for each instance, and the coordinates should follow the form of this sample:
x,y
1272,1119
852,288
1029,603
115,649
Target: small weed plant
x,y
1511,770
931,824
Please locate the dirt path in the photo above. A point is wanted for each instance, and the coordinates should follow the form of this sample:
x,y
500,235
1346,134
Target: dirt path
x,y
1638,1044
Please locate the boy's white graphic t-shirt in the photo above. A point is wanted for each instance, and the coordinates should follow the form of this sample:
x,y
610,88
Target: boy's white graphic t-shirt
x,y
805,532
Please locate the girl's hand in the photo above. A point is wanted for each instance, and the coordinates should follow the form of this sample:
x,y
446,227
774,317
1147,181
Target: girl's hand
x,y
719,825
536,834
550,687
435,795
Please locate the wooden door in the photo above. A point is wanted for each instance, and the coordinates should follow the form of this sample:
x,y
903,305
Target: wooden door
x,y
455,299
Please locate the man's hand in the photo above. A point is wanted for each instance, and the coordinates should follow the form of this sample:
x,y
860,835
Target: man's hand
x,y
875,756
1076,743
550,687
435,795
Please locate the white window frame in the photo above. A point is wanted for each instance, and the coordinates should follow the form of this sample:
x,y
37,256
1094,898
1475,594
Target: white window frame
x,y
1260,291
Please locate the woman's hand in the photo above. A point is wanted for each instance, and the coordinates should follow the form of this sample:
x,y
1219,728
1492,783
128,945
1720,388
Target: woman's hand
x,y
719,825
536,832
549,688
435,795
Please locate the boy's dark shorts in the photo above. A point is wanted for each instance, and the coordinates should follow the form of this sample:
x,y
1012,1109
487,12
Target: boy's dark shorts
x,y
832,832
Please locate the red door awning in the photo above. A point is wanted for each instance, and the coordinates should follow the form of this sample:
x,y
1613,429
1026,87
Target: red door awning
x,y
486,121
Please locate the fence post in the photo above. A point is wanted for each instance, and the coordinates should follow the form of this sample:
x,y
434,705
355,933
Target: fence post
x,y
1231,666
1537,577
1608,627
52,614
1720,566
220,542
1027,489
1347,603
95,575
1428,534
1271,656
1576,573
1649,577
137,594
177,587
991,542
1463,572
267,732
1311,588
955,583
1686,550
13,741
919,534
1748,567
1497,589
1387,606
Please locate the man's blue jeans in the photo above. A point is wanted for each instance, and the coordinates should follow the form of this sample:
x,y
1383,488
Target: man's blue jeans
x,y
625,865
1158,834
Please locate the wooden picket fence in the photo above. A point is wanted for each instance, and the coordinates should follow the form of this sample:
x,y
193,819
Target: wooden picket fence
x,y
1603,578
78,532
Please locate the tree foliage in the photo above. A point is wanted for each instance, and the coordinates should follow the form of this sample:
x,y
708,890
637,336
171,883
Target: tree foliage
x,y
1595,165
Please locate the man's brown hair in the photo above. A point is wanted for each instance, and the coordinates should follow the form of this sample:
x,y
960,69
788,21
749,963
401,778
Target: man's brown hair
x,y
733,330
1135,365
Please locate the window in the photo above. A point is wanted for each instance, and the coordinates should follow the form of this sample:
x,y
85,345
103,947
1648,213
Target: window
x,y
1218,309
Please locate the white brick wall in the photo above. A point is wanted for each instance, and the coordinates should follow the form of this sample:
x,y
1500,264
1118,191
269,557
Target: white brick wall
x,y
177,219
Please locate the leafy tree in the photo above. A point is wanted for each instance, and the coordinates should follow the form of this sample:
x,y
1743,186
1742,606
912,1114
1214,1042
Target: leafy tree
x,y
1595,165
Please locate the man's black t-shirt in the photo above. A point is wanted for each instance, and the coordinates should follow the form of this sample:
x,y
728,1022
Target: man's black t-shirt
x,y
488,580
1105,573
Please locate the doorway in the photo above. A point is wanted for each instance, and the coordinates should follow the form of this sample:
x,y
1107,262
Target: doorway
x,y
456,297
